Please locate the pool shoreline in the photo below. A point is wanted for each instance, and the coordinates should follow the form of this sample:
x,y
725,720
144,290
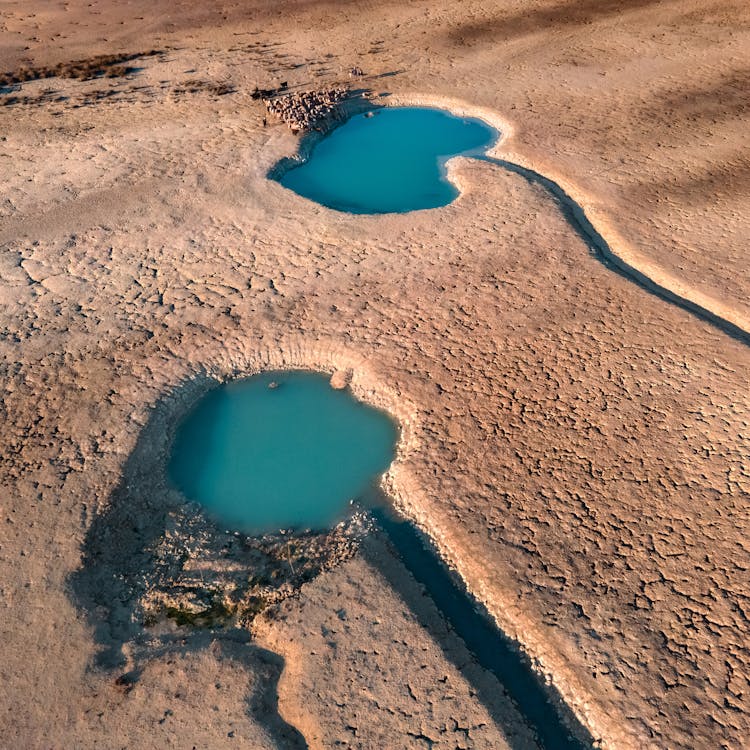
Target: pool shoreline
x,y
581,209
383,161
399,504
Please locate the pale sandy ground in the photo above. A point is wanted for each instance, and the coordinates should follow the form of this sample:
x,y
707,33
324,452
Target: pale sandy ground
x,y
578,446
356,640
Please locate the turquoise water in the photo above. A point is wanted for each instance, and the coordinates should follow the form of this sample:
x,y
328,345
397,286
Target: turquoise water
x,y
284,450
390,162
262,458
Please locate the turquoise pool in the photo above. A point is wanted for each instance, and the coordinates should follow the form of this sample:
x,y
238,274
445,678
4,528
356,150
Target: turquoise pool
x,y
391,160
284,450
280,450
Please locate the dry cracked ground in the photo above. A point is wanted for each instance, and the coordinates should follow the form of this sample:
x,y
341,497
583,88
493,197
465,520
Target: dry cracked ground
x,y
576,445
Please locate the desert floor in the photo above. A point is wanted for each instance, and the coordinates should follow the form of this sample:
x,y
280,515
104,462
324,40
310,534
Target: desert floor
x,y
577,444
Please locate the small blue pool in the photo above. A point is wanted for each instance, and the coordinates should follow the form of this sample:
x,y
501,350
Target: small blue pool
x,y
280,450
391,160
284,450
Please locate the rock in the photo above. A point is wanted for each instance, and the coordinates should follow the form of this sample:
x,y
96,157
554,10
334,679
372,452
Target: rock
x,y
305,110
341,379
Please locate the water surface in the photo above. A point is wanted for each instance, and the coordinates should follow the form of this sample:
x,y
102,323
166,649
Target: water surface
x,y
280,450
284,450
391,161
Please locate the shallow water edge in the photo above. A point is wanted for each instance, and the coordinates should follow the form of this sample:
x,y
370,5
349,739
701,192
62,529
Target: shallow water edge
x,y
539,705
389,160
281,450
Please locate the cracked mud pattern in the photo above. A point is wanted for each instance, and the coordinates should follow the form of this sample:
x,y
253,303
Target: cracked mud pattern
x,y
578,446
357,639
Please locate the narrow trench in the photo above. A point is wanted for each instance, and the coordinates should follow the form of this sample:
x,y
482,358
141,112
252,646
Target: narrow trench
x,y
490,647
601,250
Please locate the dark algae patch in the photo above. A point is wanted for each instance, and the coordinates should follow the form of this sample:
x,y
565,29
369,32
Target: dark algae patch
x,y
219,613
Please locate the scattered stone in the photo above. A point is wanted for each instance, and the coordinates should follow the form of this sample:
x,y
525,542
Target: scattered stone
x,y
305,111
250,575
